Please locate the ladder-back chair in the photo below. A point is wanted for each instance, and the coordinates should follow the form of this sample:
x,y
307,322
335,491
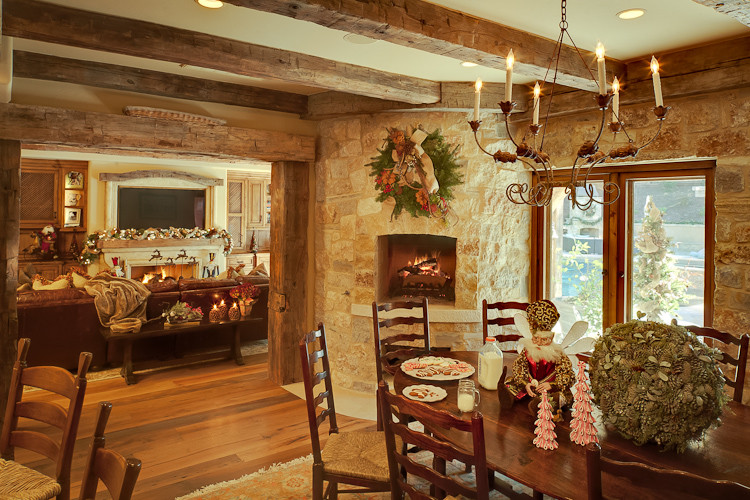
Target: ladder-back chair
x,y
740,362
16,480
118,473
500,320
667,481
358,457
391,351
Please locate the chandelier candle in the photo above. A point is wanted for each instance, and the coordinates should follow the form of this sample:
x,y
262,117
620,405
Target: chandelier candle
x,y
537,91
509,76
477,93
657,81
601,71
615,100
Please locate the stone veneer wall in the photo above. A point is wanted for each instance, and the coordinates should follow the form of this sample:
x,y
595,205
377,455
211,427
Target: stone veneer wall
x,y
715,125
492,254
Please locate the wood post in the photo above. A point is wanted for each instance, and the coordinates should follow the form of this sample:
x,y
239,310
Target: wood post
x,y
288,291
10,209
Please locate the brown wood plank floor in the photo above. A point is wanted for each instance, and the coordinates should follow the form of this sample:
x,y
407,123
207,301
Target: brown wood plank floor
x,y
195,425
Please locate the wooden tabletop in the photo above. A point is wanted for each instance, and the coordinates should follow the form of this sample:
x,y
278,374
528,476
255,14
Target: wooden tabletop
x,y
725,453
157,328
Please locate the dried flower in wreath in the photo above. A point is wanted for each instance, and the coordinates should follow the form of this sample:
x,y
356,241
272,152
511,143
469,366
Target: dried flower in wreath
x,y
657,383
418,171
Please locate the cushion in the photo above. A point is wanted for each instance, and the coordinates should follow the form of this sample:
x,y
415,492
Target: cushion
x,y
358,454
168,285
23,278
24,287
77,277
22,483
259,270
41,283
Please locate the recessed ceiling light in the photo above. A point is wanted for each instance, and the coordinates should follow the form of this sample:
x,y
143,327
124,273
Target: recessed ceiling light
x,y
631,13
211,4
468,64
358,39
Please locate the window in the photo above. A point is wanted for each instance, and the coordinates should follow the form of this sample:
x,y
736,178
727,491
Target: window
x,y
647,254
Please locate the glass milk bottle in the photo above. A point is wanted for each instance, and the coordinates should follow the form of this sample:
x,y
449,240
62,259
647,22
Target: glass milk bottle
x,y
490,364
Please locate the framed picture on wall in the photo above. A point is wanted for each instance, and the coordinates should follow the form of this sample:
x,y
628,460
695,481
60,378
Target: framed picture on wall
x,y
72,217
73,198
74,180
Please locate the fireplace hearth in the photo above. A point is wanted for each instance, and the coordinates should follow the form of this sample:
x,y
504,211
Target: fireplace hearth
x,y
416,265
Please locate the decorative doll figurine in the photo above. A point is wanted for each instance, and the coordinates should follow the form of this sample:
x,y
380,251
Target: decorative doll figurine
x,y
47,238
542,364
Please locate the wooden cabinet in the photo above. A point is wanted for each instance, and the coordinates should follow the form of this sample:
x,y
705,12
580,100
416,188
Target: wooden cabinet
x,y
248,208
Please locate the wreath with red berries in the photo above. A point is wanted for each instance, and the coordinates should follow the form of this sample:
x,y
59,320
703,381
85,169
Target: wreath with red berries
x,y
403,167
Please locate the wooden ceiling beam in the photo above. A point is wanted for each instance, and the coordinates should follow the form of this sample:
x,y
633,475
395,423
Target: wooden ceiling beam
x,y
119,134
421,25
737,9
53,23
143,81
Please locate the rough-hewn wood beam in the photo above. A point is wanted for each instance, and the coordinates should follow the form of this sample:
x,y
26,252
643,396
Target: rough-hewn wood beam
x,y
143,81
59,24
456,96
738,9
125,134
425,26
712,68
160,174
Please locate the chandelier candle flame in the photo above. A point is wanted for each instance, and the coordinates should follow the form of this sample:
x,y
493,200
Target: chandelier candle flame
x,y
530,150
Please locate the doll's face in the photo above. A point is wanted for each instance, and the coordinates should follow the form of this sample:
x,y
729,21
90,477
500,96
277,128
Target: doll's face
x,y
540,340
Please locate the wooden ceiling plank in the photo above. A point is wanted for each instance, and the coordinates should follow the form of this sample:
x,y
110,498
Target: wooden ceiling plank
x,y
435,29
737,9
158,137
53,23
110,76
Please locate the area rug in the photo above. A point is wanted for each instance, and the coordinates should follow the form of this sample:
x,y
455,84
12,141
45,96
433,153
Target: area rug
x,y
293,481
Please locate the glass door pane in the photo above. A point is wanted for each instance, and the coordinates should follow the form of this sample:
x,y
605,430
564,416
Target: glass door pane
x,y
667,248
575,260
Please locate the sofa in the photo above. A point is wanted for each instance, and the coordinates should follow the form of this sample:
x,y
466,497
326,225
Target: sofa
x,y
62,323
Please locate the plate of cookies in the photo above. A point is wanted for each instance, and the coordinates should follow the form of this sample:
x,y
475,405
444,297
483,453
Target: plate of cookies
x,y
426,393
437,368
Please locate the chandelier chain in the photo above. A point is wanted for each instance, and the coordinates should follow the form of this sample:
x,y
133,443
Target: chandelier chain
x,y
563,17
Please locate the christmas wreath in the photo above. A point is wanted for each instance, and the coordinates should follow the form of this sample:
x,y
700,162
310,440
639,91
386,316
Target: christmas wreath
x,y
91,251
418,171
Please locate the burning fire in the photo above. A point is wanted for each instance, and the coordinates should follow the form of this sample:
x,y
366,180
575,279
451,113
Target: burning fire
x,y
148,277
424,265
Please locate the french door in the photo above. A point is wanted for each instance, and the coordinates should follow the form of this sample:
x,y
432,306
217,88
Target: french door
x,y
647,255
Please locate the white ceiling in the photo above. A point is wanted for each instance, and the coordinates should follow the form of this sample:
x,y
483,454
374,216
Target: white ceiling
x,y
667,25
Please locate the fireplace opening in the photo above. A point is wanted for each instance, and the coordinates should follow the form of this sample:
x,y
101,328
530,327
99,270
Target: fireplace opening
x,y
416,265
149,274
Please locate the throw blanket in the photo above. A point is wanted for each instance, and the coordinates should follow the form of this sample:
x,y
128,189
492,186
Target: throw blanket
x,y
120,302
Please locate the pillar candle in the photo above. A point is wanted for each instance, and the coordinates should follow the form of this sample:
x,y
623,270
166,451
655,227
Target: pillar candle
x,y
601,71
615,100
477,93
657,81
537,91
509,76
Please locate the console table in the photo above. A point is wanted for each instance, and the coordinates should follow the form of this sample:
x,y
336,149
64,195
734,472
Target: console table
x,y
161,329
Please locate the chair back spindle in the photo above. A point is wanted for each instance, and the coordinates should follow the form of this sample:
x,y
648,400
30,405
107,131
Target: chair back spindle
x,y
739,363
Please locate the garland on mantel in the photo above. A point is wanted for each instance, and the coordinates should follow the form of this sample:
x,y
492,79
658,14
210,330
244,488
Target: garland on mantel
x,y
418,171
91,251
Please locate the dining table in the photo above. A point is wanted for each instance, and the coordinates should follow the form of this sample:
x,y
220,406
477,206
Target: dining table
x,y
724,452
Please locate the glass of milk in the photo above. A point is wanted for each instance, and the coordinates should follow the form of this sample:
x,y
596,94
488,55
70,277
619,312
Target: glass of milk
x,y
468,395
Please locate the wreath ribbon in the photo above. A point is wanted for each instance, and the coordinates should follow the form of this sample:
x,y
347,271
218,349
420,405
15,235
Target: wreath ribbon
x,y
425,169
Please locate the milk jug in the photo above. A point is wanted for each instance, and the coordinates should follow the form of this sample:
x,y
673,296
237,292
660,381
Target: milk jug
x,y
490,364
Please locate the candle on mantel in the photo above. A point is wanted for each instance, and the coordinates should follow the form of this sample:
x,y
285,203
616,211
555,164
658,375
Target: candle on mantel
x,y
477,93
601,71
657,81
615,100
537,91
509,76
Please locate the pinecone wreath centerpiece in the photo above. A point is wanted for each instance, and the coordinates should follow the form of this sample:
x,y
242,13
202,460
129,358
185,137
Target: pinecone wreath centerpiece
x,y
657,383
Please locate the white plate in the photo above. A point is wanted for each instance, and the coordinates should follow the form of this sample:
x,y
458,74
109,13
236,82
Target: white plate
x,y
431,393
436,361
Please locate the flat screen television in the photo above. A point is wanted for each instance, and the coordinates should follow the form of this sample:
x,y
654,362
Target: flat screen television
x,y
141,208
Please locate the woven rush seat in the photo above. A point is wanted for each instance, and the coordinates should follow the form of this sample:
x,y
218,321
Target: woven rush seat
x,y
21,483
357,454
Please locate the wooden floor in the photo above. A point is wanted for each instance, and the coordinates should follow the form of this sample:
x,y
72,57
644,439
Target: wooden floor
x,y
196,425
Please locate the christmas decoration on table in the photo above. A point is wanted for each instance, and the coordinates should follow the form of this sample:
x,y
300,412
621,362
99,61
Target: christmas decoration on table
x,y
545,427
542,364
214,315
45,243
418,171
582,426
657,383
246,295
234,312
91,251
658,288
182,312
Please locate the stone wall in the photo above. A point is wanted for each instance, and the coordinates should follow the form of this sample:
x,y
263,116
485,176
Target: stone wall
x,y
492,234
715,125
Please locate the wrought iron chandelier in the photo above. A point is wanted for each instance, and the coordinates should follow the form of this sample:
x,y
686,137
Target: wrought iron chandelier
x,y
578,189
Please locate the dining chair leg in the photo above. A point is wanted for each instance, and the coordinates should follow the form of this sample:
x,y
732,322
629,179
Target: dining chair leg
x,y
317,482
538,496
334,494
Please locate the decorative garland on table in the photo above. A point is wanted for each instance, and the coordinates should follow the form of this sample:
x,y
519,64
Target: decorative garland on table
x,y
418,172
91,251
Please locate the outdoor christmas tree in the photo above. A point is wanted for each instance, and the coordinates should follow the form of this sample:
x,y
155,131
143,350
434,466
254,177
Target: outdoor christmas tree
x,y
545,427
582,427
658,290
